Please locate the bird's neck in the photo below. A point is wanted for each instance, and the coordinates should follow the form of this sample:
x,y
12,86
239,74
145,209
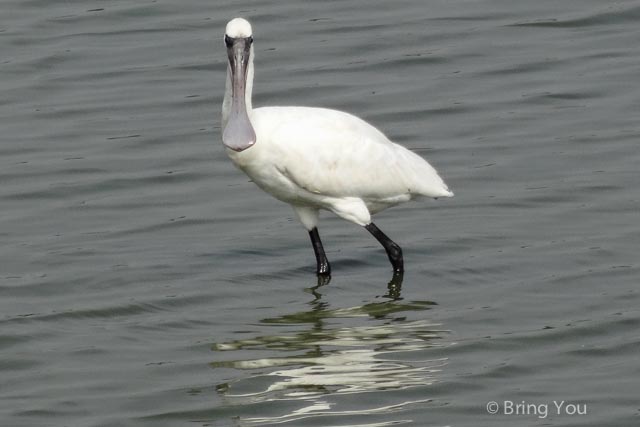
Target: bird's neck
x,y
228,93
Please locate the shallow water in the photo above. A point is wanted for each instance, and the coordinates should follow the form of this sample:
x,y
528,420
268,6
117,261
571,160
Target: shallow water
x,y
145,282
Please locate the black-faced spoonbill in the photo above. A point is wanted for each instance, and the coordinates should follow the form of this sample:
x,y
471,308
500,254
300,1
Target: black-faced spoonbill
x,y
316,158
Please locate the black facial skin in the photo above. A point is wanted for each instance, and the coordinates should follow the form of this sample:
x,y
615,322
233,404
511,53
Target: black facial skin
x,y
229,40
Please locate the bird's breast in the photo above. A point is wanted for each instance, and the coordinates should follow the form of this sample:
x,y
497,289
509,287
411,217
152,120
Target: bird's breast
x,y
267,171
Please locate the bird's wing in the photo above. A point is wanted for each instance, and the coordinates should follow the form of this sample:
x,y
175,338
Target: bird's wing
x,y
336,154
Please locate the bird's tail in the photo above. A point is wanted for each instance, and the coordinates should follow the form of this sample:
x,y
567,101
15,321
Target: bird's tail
x,y
425,178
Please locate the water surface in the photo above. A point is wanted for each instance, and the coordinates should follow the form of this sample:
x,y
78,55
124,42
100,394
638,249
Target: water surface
x,y
145,282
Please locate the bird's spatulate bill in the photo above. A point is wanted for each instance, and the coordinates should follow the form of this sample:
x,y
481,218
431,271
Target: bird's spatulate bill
x,y
238,135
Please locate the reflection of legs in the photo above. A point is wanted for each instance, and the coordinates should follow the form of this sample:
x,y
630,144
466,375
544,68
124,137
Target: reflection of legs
x,y
323,267
394,252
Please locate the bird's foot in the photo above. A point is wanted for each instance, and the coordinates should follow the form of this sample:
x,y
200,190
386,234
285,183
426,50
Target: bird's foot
x,y
324,279
395,286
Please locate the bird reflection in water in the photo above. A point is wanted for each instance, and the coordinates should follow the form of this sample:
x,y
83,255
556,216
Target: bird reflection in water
x,y
319,355
394,286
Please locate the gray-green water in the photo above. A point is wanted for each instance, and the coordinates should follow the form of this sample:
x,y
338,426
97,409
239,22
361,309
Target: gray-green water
x,y
145,282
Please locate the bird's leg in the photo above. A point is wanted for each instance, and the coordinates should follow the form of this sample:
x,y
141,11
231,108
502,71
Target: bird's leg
x,y
323,269
394,252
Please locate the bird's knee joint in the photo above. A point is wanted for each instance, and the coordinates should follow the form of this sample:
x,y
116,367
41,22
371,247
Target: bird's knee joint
x,y
395,251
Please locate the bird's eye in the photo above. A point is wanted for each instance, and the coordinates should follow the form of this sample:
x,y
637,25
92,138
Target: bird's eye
x,y
250,39
227,40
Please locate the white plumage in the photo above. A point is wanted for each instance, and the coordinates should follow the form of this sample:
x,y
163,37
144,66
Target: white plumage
x,y
317,158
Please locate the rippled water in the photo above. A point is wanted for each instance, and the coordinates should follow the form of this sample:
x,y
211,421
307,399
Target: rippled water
x,y
145,282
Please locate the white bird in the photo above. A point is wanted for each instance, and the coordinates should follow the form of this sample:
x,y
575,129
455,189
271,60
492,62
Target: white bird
x,y
317,158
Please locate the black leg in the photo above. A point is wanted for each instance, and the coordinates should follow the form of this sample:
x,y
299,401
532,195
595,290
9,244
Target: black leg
x,y
394,252
324,269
